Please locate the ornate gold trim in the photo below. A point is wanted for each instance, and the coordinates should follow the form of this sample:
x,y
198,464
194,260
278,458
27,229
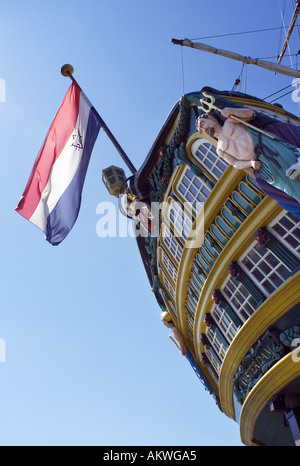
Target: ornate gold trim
x,y
212,206
278,304
263,213
278,377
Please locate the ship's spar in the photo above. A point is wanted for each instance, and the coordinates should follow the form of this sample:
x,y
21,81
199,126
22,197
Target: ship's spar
x,y
290,30
275,67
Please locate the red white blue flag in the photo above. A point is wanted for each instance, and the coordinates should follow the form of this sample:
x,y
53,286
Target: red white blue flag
x,y
52,197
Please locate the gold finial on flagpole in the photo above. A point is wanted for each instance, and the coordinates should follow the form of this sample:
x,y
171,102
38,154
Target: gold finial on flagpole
x,y
67,70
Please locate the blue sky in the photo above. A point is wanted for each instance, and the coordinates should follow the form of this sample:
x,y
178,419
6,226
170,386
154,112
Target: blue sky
x,y
88,361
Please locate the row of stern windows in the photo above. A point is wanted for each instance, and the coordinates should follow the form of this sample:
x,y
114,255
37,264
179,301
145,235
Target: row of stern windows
x,y
269,261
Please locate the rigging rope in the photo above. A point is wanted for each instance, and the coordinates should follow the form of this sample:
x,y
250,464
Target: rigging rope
x,y
238,82
280,97
277,92
239,33
296,25
280,35
286,44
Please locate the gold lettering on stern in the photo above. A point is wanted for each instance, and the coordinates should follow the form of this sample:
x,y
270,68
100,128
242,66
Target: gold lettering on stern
x,y
255,366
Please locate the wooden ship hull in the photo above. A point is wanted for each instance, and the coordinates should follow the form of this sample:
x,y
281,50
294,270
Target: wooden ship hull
x,y
223,258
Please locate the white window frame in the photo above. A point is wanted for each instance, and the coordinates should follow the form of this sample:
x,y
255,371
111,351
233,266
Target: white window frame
x,y
257,266
172,245
166,264
215,364
205,159
225,323
192,190
283,237
168,285
231,297
180,221
216,343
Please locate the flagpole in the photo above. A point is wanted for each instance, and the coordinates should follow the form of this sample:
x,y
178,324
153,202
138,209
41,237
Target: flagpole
x,y
67,71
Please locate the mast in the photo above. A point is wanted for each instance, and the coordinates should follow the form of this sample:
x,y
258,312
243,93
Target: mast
x,y
276,68
289,32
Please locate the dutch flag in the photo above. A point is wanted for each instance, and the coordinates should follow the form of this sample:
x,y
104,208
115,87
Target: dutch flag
x,y
52,197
